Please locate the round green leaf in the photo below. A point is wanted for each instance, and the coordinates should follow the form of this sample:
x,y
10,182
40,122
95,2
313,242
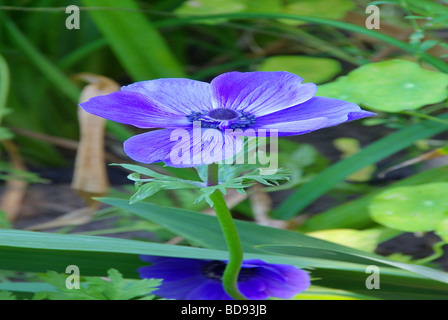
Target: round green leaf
x,y
311,69
442,230
390,86
412,209
199,7
329,9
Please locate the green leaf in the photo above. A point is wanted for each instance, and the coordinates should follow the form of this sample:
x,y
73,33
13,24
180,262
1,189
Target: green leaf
x,y
4,222
333,266
345,254
204,230
5,134
412,209
198,7
311,69
355,213
142,170
366,240
38,252
442,230
319,8
390,86
4,91
391,287
6,295
137,44
114,287
370,154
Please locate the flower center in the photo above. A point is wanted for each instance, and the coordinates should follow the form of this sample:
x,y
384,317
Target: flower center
x,y
215,269
223,114
223,118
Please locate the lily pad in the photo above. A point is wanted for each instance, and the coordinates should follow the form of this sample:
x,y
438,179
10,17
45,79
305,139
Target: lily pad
x,y
329,9
390,86
311,69
412,209
206,7
442,230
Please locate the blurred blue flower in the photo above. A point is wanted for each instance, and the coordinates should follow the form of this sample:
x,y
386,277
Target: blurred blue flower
x,y
195,279
232,105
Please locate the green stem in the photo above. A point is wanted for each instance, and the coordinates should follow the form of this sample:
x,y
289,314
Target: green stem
x,y
438,252
424,116
4,86
230,276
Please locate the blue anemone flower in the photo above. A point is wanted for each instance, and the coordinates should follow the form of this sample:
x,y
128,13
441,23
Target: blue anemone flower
x,y
195,279
231,106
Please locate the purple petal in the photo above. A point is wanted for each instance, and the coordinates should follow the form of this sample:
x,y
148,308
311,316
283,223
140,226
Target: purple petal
x,y
178,290
260,92
208,290
152,259
175,95
253,289
335,111
182,147
149,147
134,109
285,282
202,146
284,128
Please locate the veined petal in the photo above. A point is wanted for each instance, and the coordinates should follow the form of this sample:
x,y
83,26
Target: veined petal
x,y
336,111
178,290
294,281
284,128
202,146
253,289
208,290
135,109
150,147
182,147
260,92
175,95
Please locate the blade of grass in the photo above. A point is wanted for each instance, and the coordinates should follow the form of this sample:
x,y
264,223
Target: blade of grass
x,y
136,43
39,251
40,61
204,230
4,86
81,53
329,260
55,75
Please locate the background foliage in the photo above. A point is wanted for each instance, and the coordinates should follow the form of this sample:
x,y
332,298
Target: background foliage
x,y
342,202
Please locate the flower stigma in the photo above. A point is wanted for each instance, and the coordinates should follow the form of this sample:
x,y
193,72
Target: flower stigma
x,y
223,118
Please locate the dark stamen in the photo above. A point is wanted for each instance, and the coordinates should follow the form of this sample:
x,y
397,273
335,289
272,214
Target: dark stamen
x,y
223,114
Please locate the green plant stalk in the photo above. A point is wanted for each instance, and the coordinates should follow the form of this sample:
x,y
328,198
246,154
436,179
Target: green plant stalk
x,y
140,48
424,116
4,85
230,276
438,252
